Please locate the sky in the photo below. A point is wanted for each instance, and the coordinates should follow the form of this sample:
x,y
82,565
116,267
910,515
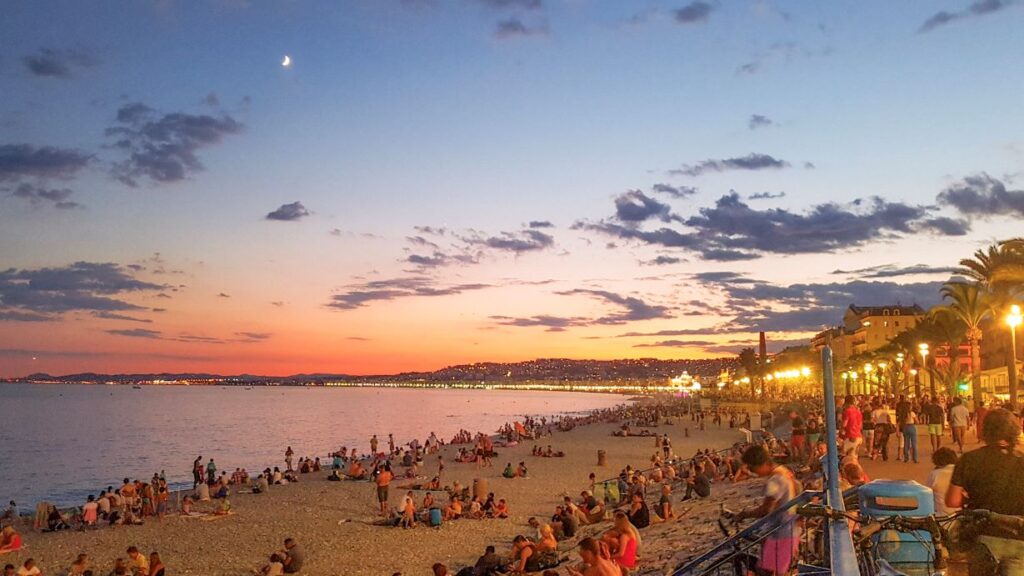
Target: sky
x,y
433,182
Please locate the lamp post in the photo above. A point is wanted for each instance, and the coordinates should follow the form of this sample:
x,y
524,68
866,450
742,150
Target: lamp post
x,y
853,378
917,382
923,349
1013,319
903,371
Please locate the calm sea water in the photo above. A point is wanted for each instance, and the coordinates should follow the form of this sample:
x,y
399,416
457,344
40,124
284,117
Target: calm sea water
x,y
63,442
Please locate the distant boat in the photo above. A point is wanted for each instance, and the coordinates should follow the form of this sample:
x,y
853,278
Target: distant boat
x,y
136,387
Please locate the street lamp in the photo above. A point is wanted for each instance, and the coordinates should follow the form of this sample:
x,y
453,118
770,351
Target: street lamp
x,y
853,379
923,349
1013,319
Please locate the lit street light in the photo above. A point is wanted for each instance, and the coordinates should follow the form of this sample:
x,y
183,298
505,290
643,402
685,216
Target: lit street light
x,y
1013,319
868,369
923,349
881,372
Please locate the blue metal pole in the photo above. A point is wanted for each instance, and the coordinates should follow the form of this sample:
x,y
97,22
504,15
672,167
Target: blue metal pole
x,y
841,552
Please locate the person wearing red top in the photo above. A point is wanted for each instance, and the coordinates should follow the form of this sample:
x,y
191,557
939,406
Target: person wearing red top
x,y
10,540
853,420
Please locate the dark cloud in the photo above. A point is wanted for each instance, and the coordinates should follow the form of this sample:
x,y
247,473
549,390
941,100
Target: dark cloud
x,y
693,13
223,295
116,316
516,28
253,336
674,191
56,197
431,230
164,147
670,333
19,161
421,242
893,271
634,309
945,226
766,196
551,323
540,224
501,4
978,8
82,286
759,121
676,344
277,303
137,333
752,161
663,261
981,195
359,295
523,241
635,206
288,212
50,63
16,316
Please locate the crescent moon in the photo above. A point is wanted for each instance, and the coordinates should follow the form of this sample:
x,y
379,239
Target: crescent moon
x,y
287,61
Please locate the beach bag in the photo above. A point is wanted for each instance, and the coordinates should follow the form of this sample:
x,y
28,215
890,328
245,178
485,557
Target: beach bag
x,y
435,516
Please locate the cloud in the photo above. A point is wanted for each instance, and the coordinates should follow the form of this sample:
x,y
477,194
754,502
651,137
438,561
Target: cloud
x,y
731,230
49,63
502,4
212,100
516,28
692,13
977,8
523,241
674,191
18,161
635,206
82,286
634,309
137,333
981,196
752,161
766,196
115,316
676,344
540,224
663,261
56,197
945,226
164,147
758,121
551,323
223,295
786,52
277,303
893,271
253,336
359,295
288,212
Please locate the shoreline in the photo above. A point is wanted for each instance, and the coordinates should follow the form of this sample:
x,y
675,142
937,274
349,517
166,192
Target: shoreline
x,y
314,509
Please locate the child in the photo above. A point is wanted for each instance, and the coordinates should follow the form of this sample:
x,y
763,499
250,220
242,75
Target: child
x,y
938,479
409,512
501,509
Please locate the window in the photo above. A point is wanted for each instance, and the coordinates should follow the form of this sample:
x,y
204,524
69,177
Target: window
x,y
885,324
885,312
895,312
897,323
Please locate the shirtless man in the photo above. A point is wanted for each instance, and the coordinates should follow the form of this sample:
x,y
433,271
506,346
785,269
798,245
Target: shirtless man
x,y
595,556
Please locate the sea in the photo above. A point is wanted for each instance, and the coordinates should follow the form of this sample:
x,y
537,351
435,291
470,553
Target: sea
x,y
60,443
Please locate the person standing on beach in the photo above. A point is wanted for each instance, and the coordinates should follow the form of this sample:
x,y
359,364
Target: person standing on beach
x,y
391,443
288,454
778,547
211,472
383,481
373,445
197,471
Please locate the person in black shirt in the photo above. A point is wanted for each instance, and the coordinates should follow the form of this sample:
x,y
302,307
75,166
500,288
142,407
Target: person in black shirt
x,y
639,514
699,482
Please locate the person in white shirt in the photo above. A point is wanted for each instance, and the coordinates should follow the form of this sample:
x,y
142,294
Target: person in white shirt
x,y
959,418
938,479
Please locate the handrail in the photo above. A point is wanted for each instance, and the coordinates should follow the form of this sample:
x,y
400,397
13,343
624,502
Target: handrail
x,y
761,527
842,559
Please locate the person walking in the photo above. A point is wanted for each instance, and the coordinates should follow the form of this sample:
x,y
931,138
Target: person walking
x,y
197,471
959,418
910,436
288,455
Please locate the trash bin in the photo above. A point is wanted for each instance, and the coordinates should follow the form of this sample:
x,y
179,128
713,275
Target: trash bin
x,y
909,552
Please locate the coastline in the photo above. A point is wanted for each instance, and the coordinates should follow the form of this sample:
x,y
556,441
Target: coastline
x,y
332,519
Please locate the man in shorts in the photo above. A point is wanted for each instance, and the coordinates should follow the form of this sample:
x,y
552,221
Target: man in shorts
x,y
853,422
383,480
936,418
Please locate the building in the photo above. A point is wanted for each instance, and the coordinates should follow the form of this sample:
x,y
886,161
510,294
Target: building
x,y
867,328
996,382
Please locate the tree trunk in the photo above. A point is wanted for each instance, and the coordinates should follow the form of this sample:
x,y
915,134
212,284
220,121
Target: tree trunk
x,y
976,371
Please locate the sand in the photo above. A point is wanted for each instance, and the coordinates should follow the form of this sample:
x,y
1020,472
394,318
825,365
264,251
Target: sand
x,y
331,519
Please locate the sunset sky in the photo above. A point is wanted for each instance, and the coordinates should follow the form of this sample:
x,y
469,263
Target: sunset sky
x,y
434,182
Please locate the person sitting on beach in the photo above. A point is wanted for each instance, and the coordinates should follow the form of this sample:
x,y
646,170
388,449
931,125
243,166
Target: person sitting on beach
x,y
623,541
564,523
699,482
186,506
222,492
356,471
293,556
500,509
120,568
596,560
408,512
665,503
275,567
223,508
29,568
639,515
490,564
488,505
156,566
10,514
521,471
10,540
508,472
55,520
475,509
454,509
575,511
591,507
547,542
90,511
524,556
80,566
139,562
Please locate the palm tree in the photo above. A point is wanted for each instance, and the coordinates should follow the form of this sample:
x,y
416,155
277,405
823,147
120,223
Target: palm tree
x,y
750,363
969,304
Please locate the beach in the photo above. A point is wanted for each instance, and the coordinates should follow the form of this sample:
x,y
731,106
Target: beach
x,y
332,521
